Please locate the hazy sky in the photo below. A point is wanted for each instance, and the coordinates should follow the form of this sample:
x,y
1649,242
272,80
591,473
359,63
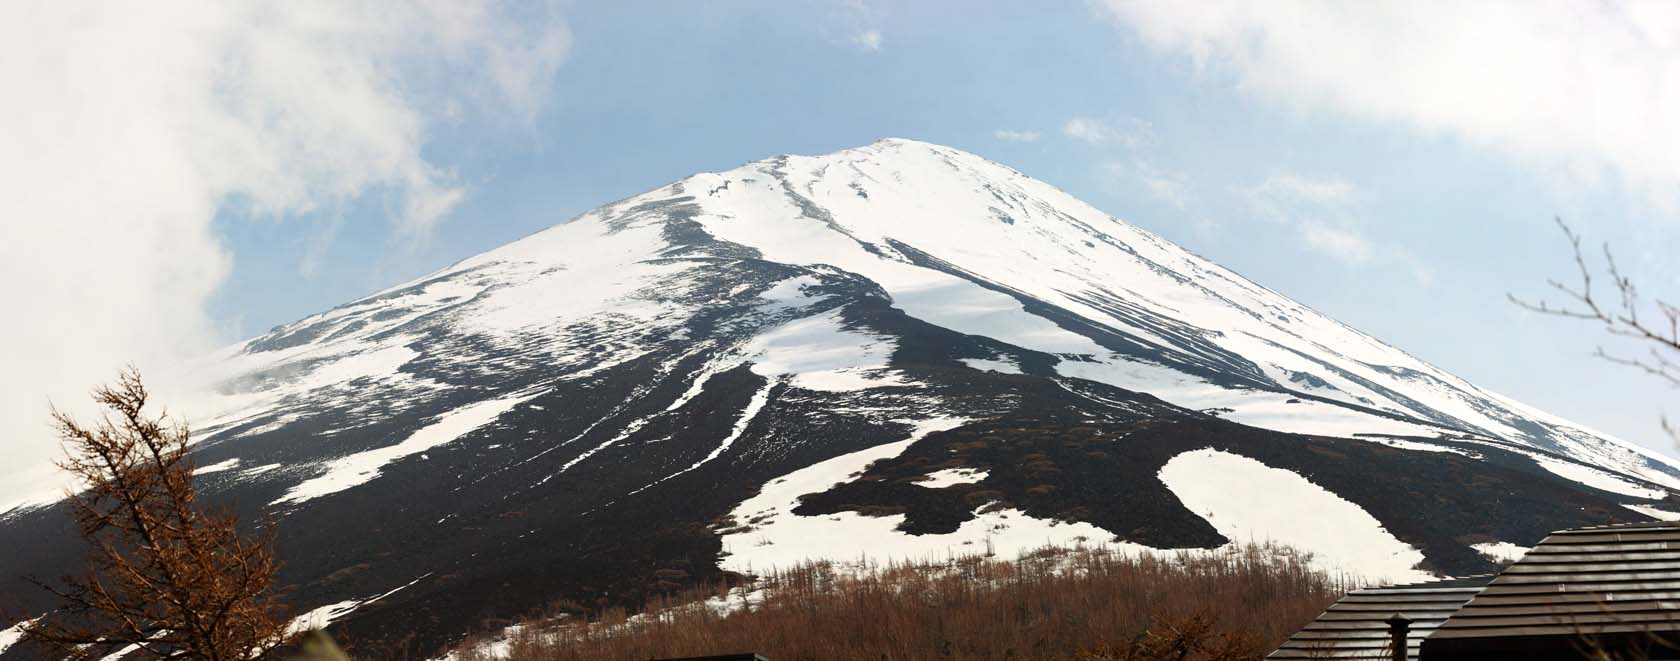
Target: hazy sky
x,y
182,175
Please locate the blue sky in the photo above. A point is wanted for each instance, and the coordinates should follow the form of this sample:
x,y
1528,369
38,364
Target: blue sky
x,y
1391,172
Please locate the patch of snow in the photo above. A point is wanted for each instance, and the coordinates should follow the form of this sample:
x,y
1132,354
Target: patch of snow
x,y
1248,501
790,294
498,647
697,383
500,644
324,616
755,405
819,353
349,471
1598,479
759,399
259,470
950,477
736,600
379,362
780,538
624,433
1407,444
217,467
1256,408
320,618
1660,515
120,653
567,273
274,424
1001,365
1501,551
12,634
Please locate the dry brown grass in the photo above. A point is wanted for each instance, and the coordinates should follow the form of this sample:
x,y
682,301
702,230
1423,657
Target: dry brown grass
x,y
1053,604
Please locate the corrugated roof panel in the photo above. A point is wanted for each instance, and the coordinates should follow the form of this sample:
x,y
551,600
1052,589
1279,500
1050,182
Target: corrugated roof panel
x,y
1356,627
1622,579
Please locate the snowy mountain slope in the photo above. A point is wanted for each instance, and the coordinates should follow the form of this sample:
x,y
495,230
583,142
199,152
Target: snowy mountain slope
x,y
953,240
900,348
1136,295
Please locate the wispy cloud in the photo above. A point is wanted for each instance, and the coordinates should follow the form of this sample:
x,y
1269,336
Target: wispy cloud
x,y
1015,136
862,25
1130,132
1282,197
1170,187
1204,227
869,40
1322,211
1573,86
1136,138
1089,130
132,127
1336,242
317,243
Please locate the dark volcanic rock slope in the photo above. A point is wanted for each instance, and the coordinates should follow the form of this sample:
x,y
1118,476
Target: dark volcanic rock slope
x,y
895,350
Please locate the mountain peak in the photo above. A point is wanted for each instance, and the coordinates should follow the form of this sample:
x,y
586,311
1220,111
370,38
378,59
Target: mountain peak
x,y
898,350
893,151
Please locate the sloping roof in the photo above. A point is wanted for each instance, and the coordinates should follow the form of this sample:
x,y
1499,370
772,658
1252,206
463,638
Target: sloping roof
x,y
1356,627
1604,581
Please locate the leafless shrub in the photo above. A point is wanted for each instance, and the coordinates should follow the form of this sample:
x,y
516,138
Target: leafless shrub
x,y
1055,603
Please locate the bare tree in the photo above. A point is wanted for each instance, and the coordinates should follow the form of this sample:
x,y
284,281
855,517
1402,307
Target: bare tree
x,y
166,577
1656,322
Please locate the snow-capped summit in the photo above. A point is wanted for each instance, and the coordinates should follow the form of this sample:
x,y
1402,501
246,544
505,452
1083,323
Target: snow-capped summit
x,y
893,350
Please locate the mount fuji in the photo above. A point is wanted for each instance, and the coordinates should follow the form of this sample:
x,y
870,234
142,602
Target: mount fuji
x,y
896,351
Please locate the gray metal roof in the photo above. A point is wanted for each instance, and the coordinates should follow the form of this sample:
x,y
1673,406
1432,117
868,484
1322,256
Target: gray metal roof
x,y
1600,580
1355,626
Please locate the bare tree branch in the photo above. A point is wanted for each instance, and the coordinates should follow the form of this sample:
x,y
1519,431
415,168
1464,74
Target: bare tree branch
x,y
1621,318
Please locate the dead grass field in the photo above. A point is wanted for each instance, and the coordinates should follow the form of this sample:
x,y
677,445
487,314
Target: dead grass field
x,y
1092,604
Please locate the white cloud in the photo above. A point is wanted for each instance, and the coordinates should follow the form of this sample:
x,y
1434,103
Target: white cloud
x,y
1015,136
1579,86
1170,187
1089,130
869,40
317,243
1131,132
1204,227
1282,196
129,126
1324,213
1338,243
862,20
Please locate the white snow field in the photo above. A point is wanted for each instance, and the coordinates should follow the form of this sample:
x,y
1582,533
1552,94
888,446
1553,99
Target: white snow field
x,y
778,538
1248,501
